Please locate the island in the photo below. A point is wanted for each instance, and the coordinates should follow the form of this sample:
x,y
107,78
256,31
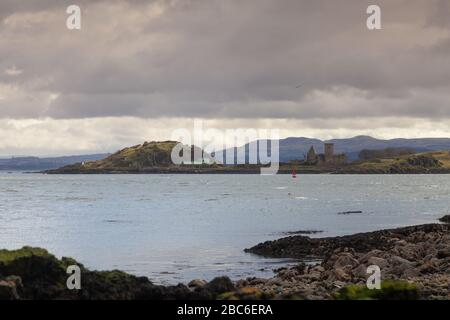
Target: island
x,y
155,157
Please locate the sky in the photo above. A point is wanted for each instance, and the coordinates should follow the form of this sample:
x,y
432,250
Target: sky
x,y
138,70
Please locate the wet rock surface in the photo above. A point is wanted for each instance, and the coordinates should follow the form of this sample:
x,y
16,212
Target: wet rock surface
x,y
418,255
303,246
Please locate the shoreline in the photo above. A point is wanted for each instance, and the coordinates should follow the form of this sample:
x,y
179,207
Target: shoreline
x,y
283,169
418,256
256,171
414,263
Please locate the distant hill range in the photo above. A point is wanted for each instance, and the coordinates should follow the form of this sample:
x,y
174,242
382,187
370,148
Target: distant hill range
x,y
153,155
296,148
35,163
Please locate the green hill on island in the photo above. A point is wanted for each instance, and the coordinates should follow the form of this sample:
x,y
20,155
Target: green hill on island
x,y
146,157
427,162
155,157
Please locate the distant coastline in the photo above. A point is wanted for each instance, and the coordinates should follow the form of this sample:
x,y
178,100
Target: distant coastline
x,y
233,170
156,158
45,163
357,155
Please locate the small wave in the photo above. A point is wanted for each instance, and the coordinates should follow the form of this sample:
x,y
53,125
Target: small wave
x,y
281,188
350,212
301,232
76,199
116,221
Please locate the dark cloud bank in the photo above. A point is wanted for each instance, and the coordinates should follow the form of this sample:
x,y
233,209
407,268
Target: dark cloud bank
x,y
225,59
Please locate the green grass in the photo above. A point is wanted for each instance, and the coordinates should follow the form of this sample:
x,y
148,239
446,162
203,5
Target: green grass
x,y
148,154
7,256
390,290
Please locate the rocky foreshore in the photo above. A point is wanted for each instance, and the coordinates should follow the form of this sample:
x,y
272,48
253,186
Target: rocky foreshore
x,y
417,255
414,263
33,273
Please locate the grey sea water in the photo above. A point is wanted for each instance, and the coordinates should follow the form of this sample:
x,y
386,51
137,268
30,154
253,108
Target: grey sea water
x,y
174,228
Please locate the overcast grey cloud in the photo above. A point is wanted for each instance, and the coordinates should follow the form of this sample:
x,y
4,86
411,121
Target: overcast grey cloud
x,y
224,60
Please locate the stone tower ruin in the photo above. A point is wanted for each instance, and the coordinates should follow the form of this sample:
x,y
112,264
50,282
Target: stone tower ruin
x,y
329,151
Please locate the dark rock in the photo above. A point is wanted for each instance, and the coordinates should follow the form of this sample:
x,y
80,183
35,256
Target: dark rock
x,y
219,285
246,293
423,161
44,277
445,219
345,260
9,288
380,262
443,253
302,232
197,283
303,247
350,212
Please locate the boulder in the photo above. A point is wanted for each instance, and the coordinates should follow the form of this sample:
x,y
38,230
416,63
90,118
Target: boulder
x,y
401,243
410,273
373,253
396,260
445,219
246,293
380,262
317,268
360,271
345,259
9,288
443,253
341,275
428,267
336,274
197,283
400,267
219,285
